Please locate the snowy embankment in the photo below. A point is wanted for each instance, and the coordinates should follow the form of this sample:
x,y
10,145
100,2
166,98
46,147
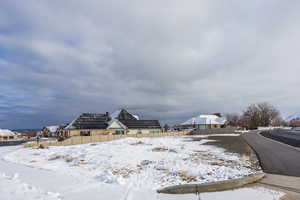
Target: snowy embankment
x,y
11,187
142,163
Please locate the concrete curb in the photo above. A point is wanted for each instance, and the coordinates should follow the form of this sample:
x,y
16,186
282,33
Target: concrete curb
x,y
211,187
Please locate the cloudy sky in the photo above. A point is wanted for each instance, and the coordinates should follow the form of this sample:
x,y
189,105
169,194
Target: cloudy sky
x,y
166,60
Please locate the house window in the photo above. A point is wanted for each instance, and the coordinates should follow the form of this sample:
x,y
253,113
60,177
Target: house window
x,y
85,133
119,132
154,131
11,137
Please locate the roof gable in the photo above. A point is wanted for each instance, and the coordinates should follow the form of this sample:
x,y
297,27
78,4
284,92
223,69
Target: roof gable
x,y
123,115
116,124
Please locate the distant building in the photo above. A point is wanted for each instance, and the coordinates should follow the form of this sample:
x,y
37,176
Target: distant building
x,y
50,131
119,122
135,126
6,135
204,122
29,133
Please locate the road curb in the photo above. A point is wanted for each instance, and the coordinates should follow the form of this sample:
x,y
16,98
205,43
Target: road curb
x,y
211,187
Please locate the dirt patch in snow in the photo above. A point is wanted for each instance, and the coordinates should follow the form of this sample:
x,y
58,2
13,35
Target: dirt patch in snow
x,y
125,172
232,144
163,149
236,144
139,143
55,158
185,176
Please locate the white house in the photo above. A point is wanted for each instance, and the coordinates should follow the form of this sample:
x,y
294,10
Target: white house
x,y
6,134
204,122
50,131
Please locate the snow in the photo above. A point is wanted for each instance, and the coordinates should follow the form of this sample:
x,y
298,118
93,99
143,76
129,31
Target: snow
x,y
128,169
157,161
6,132
11,187
205,119
136,116
70,126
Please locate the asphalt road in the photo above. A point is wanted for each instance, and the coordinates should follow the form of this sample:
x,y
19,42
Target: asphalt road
x,y
275,157
286,136
12,143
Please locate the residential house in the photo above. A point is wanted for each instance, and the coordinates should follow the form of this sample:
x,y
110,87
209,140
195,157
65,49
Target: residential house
x,y
204,122
142,126
119,122
124,122
50,131
87,124
7,135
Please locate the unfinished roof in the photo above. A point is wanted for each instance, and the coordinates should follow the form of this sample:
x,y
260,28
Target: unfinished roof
x,y
141,124
90,121
122,114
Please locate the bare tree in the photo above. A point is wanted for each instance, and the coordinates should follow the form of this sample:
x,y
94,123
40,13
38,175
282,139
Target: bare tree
x,y
232,119
295,122
261,114
279,121
267,114
251,117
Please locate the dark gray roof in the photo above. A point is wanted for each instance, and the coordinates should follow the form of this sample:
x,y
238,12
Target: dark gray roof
x,y
125,115
141,124
90,121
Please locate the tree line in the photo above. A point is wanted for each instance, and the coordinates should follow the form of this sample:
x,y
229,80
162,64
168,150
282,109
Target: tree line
x,y
260,114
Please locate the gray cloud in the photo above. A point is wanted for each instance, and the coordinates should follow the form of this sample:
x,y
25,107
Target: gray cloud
x,y
164,59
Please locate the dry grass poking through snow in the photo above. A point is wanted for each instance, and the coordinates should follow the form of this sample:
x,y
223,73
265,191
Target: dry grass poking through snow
x,y
162,149
186,177
66,158
146,162
125,172
139,143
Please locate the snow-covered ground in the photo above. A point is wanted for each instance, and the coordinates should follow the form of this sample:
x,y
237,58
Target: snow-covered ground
x,y
11,187
155,161
129,169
